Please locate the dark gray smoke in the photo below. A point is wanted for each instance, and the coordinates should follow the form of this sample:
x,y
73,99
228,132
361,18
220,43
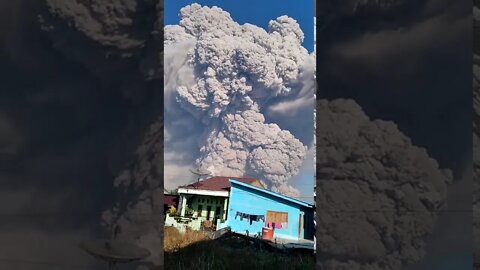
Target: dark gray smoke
x,y
139,209
120,43
378,195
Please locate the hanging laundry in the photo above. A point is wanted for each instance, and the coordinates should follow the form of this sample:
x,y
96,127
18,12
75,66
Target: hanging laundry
x,y
258,218
269,225
239,214
242,215
278,225
253,218
284,225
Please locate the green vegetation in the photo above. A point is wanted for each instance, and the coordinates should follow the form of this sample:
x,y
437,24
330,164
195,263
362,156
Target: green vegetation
x,y
189,211
172,211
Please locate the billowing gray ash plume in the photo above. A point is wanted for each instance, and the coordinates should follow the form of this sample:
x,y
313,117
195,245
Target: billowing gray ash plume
x,y
378,195
224,75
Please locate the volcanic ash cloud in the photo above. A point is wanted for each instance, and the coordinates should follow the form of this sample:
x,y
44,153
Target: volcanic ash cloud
x,y
378,195
230,71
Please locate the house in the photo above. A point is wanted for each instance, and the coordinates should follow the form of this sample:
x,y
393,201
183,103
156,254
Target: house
x,y
251,208
208,199
169,200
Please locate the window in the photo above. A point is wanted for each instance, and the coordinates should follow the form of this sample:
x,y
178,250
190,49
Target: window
x,y
209,209
199,211
277,217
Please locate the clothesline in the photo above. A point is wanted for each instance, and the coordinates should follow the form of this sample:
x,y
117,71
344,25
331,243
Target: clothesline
x,y
257,218
251,218
283,225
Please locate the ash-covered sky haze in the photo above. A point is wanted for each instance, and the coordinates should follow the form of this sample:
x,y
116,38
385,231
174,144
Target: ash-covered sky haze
x,y
239,98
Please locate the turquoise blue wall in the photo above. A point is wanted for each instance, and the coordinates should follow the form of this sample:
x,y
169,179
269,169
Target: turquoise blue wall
x,y
255,202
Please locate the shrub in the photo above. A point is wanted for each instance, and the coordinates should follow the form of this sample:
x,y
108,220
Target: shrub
x,y
172,211
188,211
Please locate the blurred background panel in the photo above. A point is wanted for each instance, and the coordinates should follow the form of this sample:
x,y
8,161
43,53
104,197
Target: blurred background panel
x,y
80,87
394,129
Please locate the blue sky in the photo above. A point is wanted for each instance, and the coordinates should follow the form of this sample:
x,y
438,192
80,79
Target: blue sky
x,y
258,12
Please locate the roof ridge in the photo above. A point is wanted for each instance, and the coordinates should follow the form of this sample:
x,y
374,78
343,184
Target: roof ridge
x,y
219,183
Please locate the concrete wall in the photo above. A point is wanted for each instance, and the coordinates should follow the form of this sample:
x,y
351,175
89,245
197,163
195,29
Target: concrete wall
x,y
193,224
255,202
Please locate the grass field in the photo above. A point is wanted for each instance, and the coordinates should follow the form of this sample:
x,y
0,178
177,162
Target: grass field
x,y
194,250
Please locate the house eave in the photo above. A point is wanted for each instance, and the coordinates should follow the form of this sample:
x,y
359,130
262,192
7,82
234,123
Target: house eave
x,y
192,191
298,202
